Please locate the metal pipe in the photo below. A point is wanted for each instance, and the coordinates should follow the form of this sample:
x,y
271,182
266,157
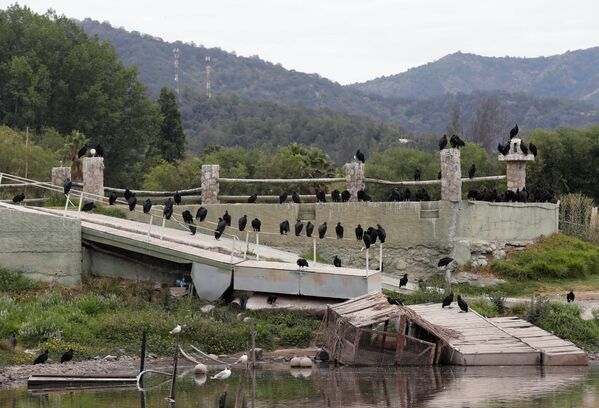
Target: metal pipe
x,y
314,249
283,181
257,246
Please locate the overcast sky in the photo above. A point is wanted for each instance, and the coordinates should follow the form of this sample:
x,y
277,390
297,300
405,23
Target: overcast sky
x,y
350,40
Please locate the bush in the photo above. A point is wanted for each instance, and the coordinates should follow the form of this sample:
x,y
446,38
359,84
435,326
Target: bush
x,y
14,282
110,211
498,300
298,336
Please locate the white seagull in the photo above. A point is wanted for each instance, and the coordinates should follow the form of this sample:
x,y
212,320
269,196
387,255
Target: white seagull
x,y
223,375
242,360
176,330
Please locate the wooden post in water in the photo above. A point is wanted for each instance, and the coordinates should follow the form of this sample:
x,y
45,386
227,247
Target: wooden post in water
x,y
175,360
142,356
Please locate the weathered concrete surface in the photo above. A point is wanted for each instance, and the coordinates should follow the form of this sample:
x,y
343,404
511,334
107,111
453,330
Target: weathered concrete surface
x,y
210,184
451,175
43,247
93,178
516,165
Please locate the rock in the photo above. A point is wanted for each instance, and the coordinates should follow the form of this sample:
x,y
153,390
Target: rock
x,y
206,308
152,356
499,254
110,358
305,362
295,362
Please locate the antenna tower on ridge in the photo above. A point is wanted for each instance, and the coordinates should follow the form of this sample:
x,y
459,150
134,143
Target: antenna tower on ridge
x,y
176,54
208,90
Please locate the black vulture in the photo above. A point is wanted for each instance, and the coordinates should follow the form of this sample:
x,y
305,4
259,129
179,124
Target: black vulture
x,y
523,195
471,171
296,198
127,194
417,175
41,359
82,151
12,341
359,232
112,198
202,214
192,229
320,196
506,149
242,222
68,356
339,230
533,149
514,131
220,228
99,151
252,199
394,301
284,227
570,297
473,195
227,218
309,229
439,175
444,261
363,196
500,148
367,240
87,207
404,280
256,224
443,142
66,186
462,304
302,263
283,197
132,201
394,195
360,156
456,142
337,261
187,217
177,198
345,196
147,206
299,226
382,234
407,194
524,149
322,230
168,208
18,198
448,299
336,196
271,299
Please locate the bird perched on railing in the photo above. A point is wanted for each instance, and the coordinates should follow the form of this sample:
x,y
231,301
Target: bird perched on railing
x,y
299,226
227,218
367,240
295,197
336,196
220,228
256,224
176,330
252,199
533,149
147,206
471,171
374,234
302,263
242,222
18,198
320,196
417,175
381,233
345,196
363,196
284,227
66,186
187,217
132,201
177,198
322,230
339,230
168,208
524,149
283,197
112,198
201,214
309,229
359,232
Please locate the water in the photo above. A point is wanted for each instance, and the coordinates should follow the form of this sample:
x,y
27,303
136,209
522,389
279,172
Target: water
x,y
407,387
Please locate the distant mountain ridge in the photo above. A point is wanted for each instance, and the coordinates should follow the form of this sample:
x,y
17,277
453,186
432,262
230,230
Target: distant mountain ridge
x,y
572,75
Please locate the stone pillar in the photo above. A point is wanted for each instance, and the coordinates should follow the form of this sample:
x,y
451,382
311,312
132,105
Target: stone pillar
x,y
60,174
354,178
451,175
93,178
210,183
516,165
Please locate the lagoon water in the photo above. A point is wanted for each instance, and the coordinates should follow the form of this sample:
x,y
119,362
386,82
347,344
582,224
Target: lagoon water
x,y
346,387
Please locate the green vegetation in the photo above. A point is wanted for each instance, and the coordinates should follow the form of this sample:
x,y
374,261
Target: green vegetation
x,y
170,142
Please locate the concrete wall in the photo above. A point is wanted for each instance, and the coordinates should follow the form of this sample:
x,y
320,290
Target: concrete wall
x,y
43,247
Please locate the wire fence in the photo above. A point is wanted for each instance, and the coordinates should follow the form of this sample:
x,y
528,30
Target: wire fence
x,y
578,217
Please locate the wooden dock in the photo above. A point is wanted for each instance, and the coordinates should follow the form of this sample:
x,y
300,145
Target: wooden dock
x,y
48,382
501,341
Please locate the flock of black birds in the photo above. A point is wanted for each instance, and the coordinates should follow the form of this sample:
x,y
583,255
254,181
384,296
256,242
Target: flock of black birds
x,y
42,358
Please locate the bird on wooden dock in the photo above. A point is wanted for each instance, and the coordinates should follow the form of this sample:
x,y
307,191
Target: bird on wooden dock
x,y
444,261
359,233
570,297
339,230
12,341
417,175
242,222
296,198
462,304
82,151
223,375
147,206
177,198
533,149
187,217
242,360
256,224
299,226
132,201
471,171
514,131
367,240
456,142
322,230
42,358
302,263
87,207
127,194
524,149
271,299
404,280
336,196
284,227
167,211
18,198
220,228
176,329
394,301
345,196
382,234
443,142
66,357
202,214
320,196
112,198
360,156
337,261
227,218
447,301
66,186
283,197
252,199
309,229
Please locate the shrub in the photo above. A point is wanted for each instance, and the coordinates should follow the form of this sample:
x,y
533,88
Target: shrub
x,y
298,336
498,300
14,282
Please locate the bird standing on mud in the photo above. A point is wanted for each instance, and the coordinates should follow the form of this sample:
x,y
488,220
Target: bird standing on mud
x,y
66,357
42,358
570,297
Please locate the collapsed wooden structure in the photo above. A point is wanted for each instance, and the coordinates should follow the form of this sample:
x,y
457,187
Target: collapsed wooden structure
x,y
368,330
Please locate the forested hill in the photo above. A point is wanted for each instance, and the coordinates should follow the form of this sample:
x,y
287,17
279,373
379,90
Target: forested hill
x,y
573,75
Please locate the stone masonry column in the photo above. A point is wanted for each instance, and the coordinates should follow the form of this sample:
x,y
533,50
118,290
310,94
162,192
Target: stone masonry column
x,y
516,165
93,178
210,183
451,175
354,178
60,174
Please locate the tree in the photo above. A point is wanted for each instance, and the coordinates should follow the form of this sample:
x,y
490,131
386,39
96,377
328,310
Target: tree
x,y
490,124
170,142
454,126
75,141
